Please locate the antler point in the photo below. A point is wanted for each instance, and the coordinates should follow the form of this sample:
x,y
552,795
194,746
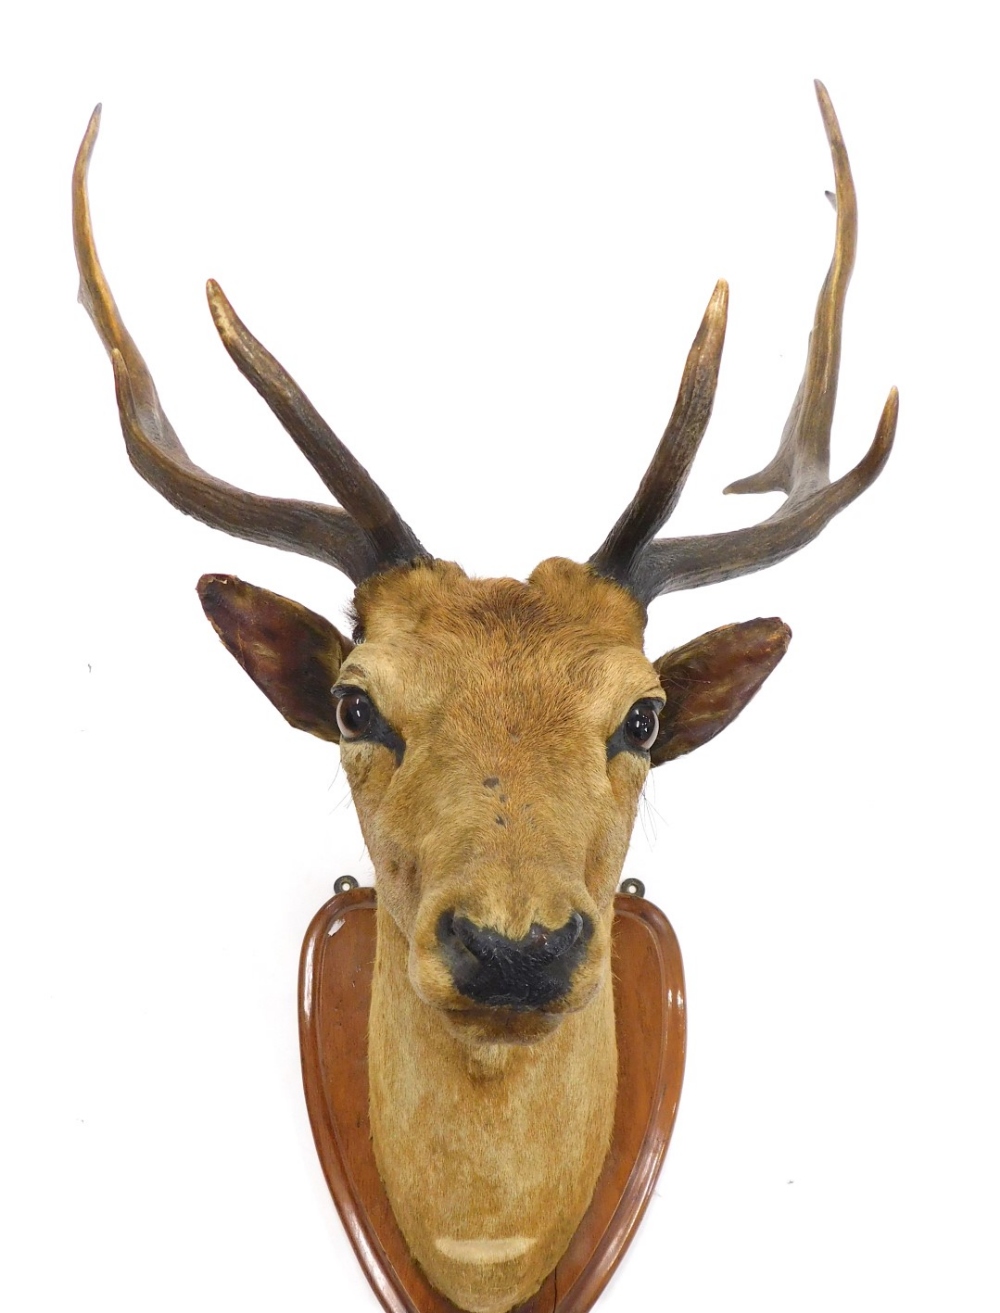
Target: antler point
x,y
220,308
890,413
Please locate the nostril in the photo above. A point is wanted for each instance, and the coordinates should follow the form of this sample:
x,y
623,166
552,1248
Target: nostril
x,y
456,933
548,945
485,944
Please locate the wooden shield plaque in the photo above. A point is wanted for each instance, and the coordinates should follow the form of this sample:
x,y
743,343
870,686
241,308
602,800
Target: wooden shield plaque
x,y
334,995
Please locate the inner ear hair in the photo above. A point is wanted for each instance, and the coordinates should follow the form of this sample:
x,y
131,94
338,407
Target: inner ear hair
x,y
710,680
292,654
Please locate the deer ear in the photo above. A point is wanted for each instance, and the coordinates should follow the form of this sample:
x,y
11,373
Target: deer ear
x,y
709,681
292,654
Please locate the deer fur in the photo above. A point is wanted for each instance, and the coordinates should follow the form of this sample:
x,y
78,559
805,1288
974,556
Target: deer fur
x,y
490,1126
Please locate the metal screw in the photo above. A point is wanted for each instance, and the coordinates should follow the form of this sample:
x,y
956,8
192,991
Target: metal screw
x,y
344,884
633,887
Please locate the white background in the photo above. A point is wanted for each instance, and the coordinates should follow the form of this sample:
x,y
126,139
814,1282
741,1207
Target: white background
x,y
481,236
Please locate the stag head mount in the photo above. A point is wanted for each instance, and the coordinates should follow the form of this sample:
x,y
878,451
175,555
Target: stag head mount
x,y
496,736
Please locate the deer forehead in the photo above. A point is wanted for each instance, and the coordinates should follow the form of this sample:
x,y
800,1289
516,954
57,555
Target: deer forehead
x,y
439,644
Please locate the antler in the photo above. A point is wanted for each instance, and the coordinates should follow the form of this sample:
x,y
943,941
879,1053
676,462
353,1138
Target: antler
x,y
801,467
364,538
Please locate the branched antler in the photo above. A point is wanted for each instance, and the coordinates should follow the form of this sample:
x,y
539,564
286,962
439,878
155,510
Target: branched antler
x,y
801,467
364,538
368,535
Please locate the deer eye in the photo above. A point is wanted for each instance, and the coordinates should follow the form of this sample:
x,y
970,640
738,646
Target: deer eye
x,y
639,730
359,719
641,726
355,715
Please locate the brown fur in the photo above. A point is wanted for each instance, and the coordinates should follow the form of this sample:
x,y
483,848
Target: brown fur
x,y
490,1126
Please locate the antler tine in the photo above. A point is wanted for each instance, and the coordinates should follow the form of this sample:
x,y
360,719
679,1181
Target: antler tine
x,y
661,486
802,462
342,473
671,564
325,533
801,467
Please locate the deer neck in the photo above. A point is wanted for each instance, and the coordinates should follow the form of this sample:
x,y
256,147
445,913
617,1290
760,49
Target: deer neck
x,y
489,1153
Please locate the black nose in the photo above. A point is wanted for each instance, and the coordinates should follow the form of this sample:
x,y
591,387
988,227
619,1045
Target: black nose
x,y
522,974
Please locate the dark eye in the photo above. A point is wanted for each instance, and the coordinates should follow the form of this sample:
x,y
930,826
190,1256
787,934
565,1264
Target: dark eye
x,y
641,726
355,715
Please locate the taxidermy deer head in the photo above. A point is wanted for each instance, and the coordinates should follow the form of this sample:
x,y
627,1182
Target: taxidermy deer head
x,y
496,735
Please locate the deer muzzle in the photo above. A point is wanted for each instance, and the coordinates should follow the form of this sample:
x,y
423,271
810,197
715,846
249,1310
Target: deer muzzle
x,y
521,975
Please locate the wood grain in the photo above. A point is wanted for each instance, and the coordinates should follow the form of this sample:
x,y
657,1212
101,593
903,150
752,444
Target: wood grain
x,y
334,996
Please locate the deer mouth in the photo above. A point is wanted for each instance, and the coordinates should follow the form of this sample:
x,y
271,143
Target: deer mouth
x,y
500,1026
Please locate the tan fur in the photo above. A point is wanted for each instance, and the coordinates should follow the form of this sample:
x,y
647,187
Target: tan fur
x,y
494,800
478,1138
486,1150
